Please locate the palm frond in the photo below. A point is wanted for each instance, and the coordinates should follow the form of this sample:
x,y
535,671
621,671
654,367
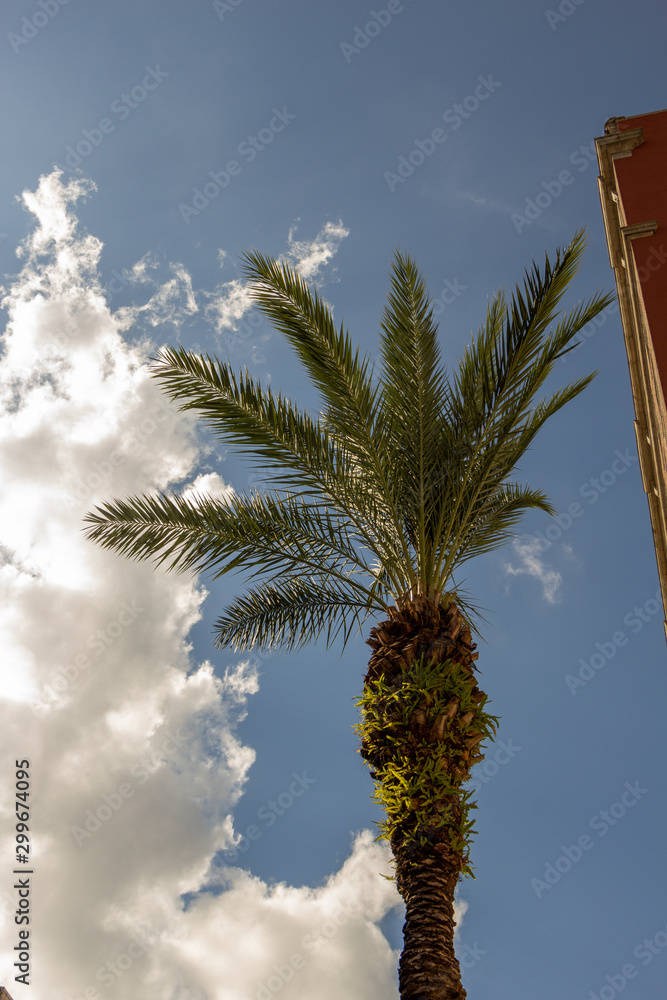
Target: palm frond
x,y
414,389
343,377
496,382
268,428
337,369
495,520
301,454
290,613
260,533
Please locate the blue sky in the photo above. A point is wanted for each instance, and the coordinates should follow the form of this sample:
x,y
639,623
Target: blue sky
x,y
186,133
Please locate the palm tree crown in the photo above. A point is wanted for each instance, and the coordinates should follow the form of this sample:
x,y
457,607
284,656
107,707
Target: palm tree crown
x,y
403,477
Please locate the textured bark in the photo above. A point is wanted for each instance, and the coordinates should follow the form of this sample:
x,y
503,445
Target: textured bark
x,y
428,857
429,969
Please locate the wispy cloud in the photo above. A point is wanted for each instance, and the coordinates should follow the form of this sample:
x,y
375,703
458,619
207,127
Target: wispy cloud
x,y
227,304
173,301
528,552
480,201
308,257
231,300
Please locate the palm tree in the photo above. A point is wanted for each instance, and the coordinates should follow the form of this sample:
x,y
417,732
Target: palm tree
x,y
373,506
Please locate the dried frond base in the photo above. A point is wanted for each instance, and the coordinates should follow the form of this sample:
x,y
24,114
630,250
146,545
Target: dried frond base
x,y
422,721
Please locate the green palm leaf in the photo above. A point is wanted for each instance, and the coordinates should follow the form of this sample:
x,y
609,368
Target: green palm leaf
x,y
339,372
491,402
414,391
262,531
293,611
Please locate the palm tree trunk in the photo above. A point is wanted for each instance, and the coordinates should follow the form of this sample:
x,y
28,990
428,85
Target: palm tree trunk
x,y
422,721
429,969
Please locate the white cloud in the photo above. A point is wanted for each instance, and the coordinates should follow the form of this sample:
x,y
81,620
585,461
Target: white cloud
x,y
135,763
231,301
209,484
173,301
228,304
300,942
528,551
308,257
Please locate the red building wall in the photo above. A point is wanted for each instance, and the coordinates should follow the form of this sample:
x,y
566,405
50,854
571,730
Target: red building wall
x,y
642,187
